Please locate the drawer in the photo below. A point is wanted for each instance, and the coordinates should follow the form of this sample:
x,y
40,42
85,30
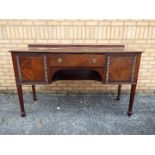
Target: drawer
x,y
77,60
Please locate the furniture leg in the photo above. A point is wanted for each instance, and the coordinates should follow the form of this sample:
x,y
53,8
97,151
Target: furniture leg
x,y
119,92
132,96
21,101
34,92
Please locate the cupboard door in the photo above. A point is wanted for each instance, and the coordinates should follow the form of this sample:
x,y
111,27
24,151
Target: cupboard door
x,y
121,69
32,68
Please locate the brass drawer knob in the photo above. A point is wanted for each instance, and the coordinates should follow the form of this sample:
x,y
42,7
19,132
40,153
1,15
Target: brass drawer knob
x,y
59,60
94,60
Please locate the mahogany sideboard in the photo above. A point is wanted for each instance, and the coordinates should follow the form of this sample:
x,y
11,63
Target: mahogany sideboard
x,y
46,63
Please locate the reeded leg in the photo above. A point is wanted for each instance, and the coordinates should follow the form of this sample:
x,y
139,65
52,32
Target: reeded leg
x,y
132,96
21,101
119,92
34,92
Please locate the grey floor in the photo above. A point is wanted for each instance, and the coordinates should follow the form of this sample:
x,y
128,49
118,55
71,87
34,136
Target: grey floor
x,y
77,114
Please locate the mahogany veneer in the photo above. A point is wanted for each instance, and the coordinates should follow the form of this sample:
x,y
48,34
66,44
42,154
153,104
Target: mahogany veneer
x,y
45,63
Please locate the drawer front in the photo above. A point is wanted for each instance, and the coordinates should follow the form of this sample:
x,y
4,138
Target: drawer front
x,y
76,60
32,68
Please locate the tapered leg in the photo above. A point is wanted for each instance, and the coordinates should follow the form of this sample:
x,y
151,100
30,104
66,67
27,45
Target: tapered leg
x,y
21,101
34,92
132,96
119,92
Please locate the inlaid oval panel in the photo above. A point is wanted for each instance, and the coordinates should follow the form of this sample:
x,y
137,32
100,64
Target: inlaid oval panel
x,y
32,69
120,69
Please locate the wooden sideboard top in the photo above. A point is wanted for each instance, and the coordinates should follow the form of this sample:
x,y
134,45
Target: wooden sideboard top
x,y
73,50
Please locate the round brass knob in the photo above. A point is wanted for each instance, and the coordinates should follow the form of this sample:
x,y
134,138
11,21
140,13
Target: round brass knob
x,y
94,60
59,60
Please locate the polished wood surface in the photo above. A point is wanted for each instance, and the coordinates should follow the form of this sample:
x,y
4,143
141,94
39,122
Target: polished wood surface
x,y
69,50
43,64
76,45
34,92
120,68
132,97
32,68
21,101
78,60
119,92
65,48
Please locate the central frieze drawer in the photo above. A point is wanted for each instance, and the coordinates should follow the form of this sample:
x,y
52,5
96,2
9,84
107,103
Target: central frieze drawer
x,y
77,60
